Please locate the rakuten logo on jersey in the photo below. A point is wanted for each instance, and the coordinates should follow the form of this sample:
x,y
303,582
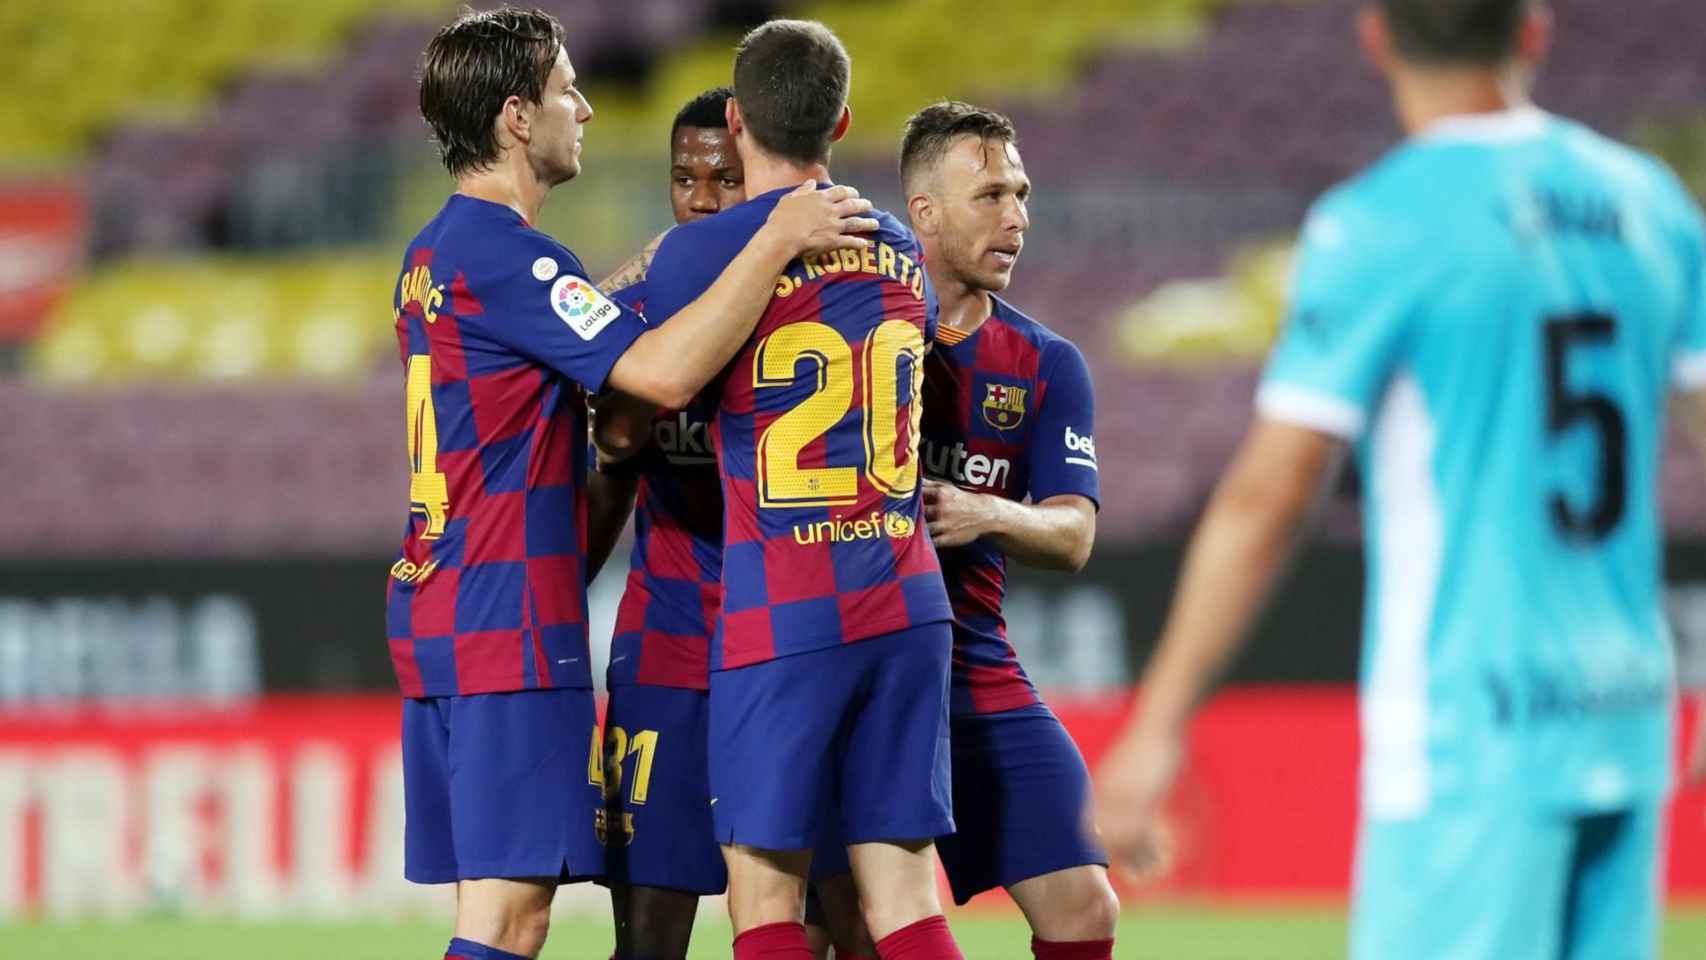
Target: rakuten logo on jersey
x,y
954,464
1084,444
684,440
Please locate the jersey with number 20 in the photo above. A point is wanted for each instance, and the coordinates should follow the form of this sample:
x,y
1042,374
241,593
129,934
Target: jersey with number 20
x,y
1495,314
816,434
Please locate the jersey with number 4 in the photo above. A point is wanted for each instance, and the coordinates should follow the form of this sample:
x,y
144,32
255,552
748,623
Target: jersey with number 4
x,y
816,434
1008,411
501,336
1495,314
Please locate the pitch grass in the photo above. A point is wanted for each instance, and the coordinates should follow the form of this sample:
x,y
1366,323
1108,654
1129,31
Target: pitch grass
x,y
1162,932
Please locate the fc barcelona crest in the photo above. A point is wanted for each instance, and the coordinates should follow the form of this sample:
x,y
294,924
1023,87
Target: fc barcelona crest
x,y
1004,406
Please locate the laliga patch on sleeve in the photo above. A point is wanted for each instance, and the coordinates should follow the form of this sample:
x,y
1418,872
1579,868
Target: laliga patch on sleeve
x,y
582,306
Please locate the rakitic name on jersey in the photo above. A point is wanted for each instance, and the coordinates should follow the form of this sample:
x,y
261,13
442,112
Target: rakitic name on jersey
x,y
879,261
878,525
416,287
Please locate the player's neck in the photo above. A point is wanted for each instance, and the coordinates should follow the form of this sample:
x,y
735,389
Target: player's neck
x,y
959,305
1425,96
764,174
508,185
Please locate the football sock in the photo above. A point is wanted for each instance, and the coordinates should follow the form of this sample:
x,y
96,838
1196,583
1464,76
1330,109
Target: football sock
x,y
774,941
461,949
1072,949
927,939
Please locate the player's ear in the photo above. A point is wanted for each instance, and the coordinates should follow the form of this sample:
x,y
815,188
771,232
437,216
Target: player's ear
x,y
1534,40
731,117
921,213
842,125
514,122
1376,39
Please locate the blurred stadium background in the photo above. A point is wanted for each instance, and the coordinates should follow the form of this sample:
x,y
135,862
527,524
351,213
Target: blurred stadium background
x,y
200,209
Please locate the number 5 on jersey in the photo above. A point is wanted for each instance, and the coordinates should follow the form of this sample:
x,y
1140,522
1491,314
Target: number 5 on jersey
x,y
429,494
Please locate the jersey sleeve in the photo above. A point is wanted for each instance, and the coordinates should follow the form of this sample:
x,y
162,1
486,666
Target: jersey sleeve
x,y
1063,445
541,304
686,265
1688,356
633,297
1346,326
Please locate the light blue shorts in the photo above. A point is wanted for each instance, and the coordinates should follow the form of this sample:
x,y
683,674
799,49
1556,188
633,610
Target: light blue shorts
x,y
1466,884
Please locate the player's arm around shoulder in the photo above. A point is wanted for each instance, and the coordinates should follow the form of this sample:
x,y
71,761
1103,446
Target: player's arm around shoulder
x,y
700,330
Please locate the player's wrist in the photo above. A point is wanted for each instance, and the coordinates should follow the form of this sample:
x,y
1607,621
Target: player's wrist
x,y
775,245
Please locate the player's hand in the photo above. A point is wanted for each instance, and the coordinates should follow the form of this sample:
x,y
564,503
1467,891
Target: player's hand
x,y
1132,783
953,516
811,221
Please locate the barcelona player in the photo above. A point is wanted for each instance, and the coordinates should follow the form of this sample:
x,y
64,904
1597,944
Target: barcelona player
x,y
1008,418
663,853
1491,317
829,668
501,334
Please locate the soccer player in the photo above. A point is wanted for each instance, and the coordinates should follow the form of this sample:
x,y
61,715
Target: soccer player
x,y
663,853
501,334
1491,318
830,666
1008,417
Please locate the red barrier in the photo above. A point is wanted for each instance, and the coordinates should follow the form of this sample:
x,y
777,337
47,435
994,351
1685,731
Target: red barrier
x,y
42,231
293,804
1267,802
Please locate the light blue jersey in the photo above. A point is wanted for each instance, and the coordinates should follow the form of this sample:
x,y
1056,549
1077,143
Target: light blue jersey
x,y
1495,314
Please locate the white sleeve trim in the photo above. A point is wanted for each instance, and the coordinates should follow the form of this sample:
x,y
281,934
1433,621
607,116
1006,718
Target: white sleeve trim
x,y
1313,409
1688,370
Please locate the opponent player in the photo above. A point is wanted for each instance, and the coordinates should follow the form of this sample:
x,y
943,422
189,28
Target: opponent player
x,y
663,853
1008,415
1491,316
830,667
500,334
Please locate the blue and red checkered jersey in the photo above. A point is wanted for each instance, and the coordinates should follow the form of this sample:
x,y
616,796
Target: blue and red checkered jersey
x,y
669,606
501,335
1009,411
816,432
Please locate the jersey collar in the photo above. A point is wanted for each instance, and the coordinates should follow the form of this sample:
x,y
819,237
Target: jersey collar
x,y
1504,126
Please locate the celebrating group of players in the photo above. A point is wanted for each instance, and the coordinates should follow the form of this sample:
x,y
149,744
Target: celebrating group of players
x,y
802,401
832,434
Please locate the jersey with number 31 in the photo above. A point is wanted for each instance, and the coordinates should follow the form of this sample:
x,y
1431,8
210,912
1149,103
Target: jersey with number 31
x,y
1495,313
817,441
501,336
